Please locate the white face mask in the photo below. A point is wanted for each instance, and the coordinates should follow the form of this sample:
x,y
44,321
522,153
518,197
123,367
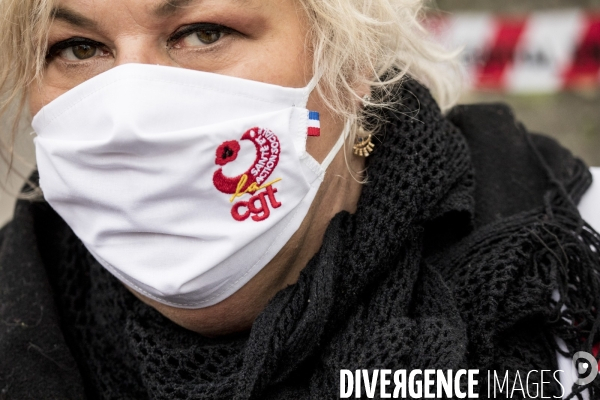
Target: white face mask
x,y
183,184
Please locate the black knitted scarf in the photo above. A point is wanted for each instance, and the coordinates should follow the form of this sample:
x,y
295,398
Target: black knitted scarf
x,y
462,234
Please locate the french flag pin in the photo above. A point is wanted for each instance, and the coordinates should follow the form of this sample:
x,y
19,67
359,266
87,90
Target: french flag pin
x,y
314,125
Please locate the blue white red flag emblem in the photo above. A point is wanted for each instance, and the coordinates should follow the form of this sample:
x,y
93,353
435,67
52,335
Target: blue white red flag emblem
x,y
314,125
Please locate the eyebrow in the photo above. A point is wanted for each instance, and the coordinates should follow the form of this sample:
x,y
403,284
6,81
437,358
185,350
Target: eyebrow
x,y
72,17
166,8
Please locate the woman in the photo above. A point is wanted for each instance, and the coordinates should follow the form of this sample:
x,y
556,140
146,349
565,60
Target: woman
x,y
203,235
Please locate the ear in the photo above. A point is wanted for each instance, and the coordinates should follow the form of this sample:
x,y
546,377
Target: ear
x,y
364,91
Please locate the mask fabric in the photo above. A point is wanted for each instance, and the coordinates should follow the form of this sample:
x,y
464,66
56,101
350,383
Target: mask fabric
x,y
183,184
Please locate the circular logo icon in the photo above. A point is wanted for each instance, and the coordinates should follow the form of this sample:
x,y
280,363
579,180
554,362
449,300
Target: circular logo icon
x,y
585,367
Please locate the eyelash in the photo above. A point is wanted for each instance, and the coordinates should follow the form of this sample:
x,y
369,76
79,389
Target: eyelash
x,y
193,28
56,48
72,42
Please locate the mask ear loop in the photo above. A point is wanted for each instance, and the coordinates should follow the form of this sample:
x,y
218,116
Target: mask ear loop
x,y
340,142
312,84
337,146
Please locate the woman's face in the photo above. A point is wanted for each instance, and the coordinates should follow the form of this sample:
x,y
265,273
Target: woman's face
x,y
261,40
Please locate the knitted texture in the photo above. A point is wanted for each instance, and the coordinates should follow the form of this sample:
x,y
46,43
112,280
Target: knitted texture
x,y
433,271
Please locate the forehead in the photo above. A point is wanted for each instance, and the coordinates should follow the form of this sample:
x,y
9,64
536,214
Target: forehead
x,y
158,7
71,10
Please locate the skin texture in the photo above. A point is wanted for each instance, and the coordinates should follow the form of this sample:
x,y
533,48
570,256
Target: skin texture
x,y
266,42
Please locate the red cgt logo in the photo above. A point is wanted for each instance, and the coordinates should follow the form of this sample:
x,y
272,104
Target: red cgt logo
x,y
252,181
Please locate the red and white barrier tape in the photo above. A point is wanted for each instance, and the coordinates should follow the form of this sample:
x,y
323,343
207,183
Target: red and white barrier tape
x,y
542,52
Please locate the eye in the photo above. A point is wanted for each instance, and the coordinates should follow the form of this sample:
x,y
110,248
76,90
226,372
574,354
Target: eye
x,y
198,35
202,38
77,49
79,52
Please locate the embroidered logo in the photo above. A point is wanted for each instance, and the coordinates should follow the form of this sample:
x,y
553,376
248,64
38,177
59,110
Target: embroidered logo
x,y
254,180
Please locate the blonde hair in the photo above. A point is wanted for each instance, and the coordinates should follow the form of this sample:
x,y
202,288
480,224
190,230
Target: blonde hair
x,y
354,43
23,36
377,43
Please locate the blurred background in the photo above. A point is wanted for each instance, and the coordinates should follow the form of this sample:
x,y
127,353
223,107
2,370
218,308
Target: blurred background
x,y
540,56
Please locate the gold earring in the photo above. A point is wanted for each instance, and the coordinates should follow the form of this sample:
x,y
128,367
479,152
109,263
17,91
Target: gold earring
x,y
363,146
